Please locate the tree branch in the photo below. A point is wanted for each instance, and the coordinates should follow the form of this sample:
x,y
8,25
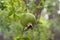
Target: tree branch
x,y
38,10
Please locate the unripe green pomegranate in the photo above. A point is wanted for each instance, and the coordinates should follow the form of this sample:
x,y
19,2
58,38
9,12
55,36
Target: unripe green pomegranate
x,y
27,19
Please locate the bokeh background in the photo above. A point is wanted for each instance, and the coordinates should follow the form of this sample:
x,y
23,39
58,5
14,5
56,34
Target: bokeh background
x,y
47,12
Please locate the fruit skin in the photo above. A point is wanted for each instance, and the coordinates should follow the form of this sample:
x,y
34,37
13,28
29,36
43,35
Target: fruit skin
x,y
27,19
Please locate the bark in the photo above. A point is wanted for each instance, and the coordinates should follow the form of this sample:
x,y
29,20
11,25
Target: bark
x,y
1,36
38,10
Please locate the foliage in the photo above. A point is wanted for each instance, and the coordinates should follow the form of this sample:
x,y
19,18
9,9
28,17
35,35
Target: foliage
x,y
10,12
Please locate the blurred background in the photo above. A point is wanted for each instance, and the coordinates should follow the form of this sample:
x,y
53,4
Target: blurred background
x,y
47,12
